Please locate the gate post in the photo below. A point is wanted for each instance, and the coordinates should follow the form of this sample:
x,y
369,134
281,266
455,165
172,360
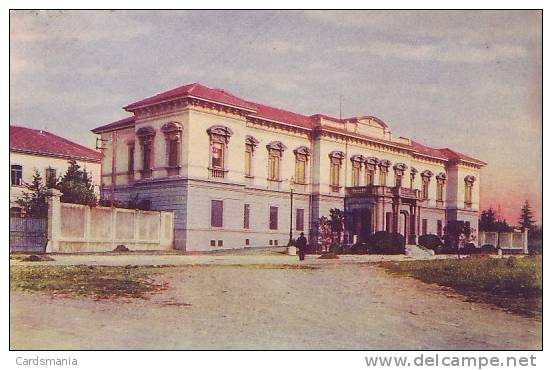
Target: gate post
x,y
54,220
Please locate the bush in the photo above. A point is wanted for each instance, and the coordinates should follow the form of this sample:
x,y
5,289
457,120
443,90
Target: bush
x,y
121,248
489,249
336,249
431,241
383,242
359,248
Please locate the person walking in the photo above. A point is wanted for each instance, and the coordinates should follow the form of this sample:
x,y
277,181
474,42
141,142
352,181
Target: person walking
x,y
301,244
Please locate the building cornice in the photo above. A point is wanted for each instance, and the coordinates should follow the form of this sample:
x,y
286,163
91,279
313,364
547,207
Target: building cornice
x,y
55,155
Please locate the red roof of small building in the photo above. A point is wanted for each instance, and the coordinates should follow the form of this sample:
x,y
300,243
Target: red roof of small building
x,y
28,140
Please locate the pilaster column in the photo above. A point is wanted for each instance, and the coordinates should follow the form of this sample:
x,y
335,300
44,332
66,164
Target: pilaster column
x,y
379,214
54,220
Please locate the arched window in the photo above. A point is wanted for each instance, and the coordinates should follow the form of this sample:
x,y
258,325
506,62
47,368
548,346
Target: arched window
x,y
356,161
399,169
468,190
145,136
173,139
383,169
370,174
218,147
301,159
336,159
426,176
413,173
275,153
441,179
250,145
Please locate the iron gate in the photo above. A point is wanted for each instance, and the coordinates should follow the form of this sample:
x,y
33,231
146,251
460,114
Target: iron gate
x,y
28,234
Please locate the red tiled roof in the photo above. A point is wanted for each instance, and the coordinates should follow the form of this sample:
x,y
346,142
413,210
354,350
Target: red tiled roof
x,y
426,150
455,156
280,115
29,140
194,90
129,121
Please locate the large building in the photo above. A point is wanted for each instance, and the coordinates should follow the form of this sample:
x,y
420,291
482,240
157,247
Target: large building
x,y
226,166
39,150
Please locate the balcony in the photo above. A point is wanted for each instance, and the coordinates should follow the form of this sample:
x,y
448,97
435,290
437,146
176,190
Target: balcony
x,y
376,190
217,173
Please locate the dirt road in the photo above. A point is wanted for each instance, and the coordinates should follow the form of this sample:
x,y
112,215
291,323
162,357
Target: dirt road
x,y
334,306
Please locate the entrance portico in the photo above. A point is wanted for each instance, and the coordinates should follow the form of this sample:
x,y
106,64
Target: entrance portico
x,y
394,209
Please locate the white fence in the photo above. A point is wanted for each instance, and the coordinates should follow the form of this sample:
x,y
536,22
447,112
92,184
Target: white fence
x,y
78,228
515,240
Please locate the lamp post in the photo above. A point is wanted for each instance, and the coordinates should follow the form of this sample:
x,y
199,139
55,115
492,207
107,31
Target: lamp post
x,y
290,242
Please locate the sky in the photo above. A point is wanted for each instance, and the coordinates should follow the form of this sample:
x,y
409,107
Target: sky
x,y
468,80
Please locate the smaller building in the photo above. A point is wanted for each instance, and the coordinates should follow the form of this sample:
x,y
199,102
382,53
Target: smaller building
x,y
40,150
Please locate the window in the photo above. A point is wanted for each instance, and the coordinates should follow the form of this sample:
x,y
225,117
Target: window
x,y
301,158
219,137
173,133
398,180
247,242
440,186
439,191
51,178
425,188
468,190
383,176
399,169
213,243
300,169
173,148
246,216
250,144
146,157
356,174
426,176
275,153
413,173
146,136
424,226
216,213
334,173
300,219
273,218
336,159
248,161
131,158
16,175
274,165
439,228
217,156
369,180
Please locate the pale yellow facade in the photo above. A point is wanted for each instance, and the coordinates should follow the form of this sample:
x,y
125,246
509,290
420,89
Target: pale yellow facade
x,y
190,188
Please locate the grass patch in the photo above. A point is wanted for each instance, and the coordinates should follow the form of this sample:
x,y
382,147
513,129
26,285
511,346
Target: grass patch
x,y
98,282
511,283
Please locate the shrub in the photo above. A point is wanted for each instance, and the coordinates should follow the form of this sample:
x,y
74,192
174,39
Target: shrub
x,y
489,248
359,248
431,241
121,248
383,242
336,249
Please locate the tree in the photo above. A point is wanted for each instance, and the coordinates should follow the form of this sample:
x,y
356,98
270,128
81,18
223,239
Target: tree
x,y
526,220
325,234
76,186
490,221
337,217
33,201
